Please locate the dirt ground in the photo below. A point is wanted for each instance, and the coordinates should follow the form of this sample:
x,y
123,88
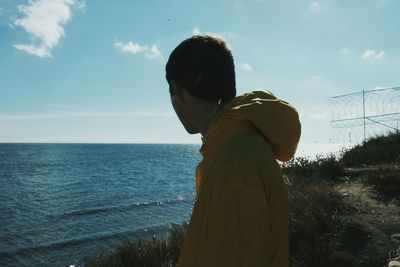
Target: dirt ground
x,y
371,226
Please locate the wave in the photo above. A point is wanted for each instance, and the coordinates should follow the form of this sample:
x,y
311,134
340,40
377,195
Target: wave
x,y
59,245
91,211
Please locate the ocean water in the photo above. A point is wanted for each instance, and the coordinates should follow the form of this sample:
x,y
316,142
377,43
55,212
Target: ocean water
x,y
62,202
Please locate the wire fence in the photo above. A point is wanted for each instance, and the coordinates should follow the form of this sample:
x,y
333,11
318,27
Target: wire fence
x,y
358,116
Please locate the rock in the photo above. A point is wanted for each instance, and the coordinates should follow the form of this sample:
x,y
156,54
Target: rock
x,y
394,264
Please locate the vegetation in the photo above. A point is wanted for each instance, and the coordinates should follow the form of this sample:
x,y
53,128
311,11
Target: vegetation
x,y
163,252
339,212
304,170
385,180
377,150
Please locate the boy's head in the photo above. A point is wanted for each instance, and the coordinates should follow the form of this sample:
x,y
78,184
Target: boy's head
x,y
204,67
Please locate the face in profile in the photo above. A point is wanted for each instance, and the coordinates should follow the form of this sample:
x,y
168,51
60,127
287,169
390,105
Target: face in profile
x,y
181,102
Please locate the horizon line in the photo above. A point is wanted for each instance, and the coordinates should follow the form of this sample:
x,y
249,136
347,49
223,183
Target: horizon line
x,y
96,143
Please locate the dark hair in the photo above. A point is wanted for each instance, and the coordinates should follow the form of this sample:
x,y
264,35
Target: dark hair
x,y
204,66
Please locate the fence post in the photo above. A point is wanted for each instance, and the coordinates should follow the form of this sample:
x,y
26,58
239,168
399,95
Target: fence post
x,y
364,112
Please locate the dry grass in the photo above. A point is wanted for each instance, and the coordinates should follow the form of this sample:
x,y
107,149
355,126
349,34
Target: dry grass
x,y
377,150
314,216
305,170
386,181
163,252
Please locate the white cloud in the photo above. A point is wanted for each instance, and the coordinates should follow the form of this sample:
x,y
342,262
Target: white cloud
x,y
40,51
372,54
81,5
130,47
151,52
245,67
126,113
27,117
344,51
317,77
44,21
385,2
238,5
319,116
196,31
315,7
383,87
85,114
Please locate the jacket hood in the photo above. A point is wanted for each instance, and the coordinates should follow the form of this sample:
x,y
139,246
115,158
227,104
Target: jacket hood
x,y
276,120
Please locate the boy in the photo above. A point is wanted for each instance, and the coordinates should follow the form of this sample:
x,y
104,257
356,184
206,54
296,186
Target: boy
x,y
240,216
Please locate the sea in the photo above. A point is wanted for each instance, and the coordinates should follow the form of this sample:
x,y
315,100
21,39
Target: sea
x,y
62,202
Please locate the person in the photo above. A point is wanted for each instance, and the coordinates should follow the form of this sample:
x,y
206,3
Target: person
x,y
240,215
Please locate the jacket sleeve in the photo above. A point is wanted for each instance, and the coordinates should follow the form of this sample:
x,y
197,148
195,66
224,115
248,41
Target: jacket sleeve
x,y
239,220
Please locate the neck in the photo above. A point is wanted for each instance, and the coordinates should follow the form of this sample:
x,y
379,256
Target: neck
x,y
207,119
201,112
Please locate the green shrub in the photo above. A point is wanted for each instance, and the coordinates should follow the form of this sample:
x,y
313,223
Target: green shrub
x,y
386,181
314,218
303,169
377,150
160,252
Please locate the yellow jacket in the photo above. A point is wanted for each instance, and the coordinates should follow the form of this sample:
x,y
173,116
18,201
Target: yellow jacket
x,y
240,216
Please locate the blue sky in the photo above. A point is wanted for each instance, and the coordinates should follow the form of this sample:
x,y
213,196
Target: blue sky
x,y
93,71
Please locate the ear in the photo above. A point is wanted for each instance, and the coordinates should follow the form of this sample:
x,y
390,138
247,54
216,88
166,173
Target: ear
x,y
177,91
